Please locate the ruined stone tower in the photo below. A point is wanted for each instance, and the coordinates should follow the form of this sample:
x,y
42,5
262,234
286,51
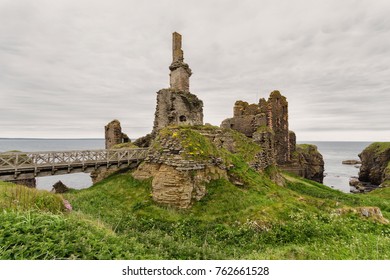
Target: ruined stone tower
x,y
113,134
180,71
267,123
176,105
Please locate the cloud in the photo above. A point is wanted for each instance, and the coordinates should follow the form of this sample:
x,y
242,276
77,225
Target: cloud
x,y
69,67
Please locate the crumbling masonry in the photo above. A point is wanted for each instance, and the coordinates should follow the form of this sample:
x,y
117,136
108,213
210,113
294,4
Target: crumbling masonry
x,y
114,135
176,105
267,124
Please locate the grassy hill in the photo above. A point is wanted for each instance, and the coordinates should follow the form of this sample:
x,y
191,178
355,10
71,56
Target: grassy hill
x,y
117,219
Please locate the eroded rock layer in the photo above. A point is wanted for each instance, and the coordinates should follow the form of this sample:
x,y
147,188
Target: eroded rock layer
x,y
375,167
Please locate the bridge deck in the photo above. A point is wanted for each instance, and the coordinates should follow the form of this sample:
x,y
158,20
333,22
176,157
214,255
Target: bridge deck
x,y
32,164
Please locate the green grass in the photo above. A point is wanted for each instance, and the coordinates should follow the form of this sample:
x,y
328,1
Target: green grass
x,y
378,147
117,218
127,145
15,197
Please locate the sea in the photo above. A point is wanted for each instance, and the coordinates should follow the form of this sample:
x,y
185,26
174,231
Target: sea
x,y
337,175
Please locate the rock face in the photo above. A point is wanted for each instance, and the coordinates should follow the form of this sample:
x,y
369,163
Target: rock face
x,y
351,162
267,124
60,187
178,188
307,162
375,166
113,134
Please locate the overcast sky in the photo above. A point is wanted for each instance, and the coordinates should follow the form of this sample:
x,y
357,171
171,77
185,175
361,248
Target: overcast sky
x,y
68,67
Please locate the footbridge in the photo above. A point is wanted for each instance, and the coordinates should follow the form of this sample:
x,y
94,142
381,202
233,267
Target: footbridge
x,y
27,165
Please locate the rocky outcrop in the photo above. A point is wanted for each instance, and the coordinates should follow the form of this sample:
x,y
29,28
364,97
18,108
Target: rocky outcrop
x,y
60,187
373,213
375,166
351,162
113,134
178,188
182,160
181,167
307,162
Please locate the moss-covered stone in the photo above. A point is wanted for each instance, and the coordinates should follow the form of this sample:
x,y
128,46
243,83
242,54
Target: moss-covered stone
x,y
127,145
375,163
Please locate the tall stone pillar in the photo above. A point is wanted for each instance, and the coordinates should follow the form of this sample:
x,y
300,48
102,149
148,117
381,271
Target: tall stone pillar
x,y
180,71
278,121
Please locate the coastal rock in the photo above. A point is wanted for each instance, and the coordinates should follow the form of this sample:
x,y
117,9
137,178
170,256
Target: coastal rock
x,y
375,166
307,162
354,182
351,162
368,212
60,187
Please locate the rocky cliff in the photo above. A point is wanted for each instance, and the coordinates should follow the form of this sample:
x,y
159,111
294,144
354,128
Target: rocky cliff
x,y
375,166
307,162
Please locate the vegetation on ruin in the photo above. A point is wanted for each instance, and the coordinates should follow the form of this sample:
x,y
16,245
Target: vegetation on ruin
x,y
117,218
127,145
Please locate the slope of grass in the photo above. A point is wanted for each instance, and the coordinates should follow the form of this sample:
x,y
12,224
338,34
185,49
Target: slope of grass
x,y
117,218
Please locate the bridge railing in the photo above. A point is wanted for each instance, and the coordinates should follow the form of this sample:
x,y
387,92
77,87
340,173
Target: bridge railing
x,y
22,160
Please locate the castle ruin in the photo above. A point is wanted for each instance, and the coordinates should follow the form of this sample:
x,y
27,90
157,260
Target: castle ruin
x,y
113,134
176,105
268,116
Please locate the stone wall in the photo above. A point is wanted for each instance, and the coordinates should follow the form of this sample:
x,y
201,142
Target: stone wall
x,y
176,105
277,115
113,134
267,124
177,108
248,118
